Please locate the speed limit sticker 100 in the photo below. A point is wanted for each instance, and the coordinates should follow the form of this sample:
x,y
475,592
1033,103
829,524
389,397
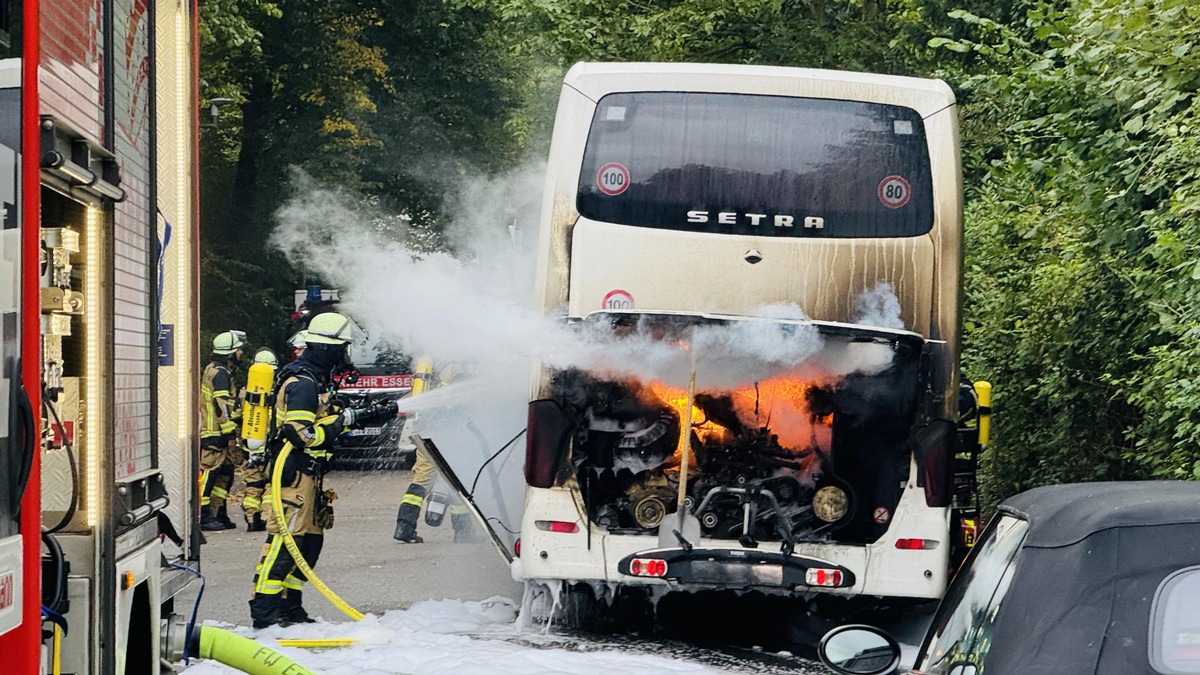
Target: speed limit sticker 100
x,y
612,179
894,191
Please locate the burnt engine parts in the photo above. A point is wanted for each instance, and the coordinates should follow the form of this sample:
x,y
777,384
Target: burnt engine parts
x,y
742,483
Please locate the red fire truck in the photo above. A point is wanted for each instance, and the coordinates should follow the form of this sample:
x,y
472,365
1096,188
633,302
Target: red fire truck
x,y
98,325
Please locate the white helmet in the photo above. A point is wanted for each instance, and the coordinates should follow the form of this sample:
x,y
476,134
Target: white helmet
x,y
330,328
229,342
265,355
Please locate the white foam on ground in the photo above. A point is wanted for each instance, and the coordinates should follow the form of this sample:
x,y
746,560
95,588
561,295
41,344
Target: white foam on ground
x,y
448,636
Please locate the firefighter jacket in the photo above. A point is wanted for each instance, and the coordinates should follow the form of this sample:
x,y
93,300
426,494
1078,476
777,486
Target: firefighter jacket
x,y
217,401
303,415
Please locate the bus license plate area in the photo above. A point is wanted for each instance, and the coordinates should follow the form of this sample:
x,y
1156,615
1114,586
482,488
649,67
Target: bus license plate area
x,y
713,572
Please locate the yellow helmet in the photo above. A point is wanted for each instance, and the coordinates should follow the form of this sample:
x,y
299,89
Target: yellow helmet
x,y
229,342
330,328
265,355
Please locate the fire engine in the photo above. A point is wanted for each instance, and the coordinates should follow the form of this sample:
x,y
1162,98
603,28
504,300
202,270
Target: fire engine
x,y
98,330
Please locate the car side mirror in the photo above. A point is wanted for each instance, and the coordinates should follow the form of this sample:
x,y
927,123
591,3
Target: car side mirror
x,y
859,650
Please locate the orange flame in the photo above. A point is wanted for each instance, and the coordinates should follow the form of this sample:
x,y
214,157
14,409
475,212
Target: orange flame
x,y
779,404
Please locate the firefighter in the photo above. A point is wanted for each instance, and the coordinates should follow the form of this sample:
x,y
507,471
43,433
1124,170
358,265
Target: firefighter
x,y
253,470
423,471
218,435
297,344
306,422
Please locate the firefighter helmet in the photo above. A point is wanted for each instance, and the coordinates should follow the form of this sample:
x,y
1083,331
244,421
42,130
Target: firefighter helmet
x,y
265,355
298,340
330,328
229,342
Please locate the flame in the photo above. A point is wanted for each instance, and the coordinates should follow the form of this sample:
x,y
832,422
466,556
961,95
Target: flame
x,y
779,404
706,430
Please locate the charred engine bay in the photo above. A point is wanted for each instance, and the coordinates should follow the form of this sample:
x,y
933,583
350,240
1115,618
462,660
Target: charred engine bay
x,y
780,460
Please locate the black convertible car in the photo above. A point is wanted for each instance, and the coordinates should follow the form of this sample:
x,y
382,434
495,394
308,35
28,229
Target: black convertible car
x,y
1095,578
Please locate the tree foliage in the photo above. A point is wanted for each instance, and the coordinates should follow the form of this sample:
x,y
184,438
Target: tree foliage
x,y
391,100
1080,143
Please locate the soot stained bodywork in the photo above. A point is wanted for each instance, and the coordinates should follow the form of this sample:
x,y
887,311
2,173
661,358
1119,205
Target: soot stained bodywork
x,y
787,458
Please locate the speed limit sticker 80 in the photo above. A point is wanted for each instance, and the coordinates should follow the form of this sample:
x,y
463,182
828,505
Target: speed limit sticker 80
x,y
894,192
612,179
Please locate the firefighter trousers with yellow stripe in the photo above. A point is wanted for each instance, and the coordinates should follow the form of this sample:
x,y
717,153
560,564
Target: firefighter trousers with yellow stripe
x,y
217,462
255,478
414,496
276,571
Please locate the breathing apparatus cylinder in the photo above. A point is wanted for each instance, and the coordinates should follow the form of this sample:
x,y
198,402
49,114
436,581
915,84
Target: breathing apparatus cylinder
x,y
256,410
423,377
983,394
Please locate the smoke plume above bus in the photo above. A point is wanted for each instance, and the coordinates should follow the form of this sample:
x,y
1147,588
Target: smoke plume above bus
x,y
475,306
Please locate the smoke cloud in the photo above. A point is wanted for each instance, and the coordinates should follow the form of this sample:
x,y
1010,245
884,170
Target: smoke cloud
x,y
475,307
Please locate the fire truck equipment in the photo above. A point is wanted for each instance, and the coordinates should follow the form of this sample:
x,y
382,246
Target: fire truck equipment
x,y
256,410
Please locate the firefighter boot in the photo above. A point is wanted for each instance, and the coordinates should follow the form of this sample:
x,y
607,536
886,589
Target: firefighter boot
x,y
265,610
406,532
290,609
209,522
255,523
408,513
223,519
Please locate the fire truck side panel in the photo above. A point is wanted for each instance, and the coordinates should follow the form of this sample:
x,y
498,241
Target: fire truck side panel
x,y
117,103
72,58
133,241
176,306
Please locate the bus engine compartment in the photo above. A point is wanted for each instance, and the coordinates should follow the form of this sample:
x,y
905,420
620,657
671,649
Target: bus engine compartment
x,y
802,455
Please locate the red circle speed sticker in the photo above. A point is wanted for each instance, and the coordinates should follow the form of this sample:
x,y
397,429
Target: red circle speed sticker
x,y
894,192
618,299
613,179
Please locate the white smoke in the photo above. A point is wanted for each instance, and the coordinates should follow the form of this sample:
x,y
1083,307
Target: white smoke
x,y
878,306
475,307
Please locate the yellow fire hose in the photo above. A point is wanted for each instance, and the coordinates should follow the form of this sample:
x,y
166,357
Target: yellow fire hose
x,y
290,543
243,653
317,643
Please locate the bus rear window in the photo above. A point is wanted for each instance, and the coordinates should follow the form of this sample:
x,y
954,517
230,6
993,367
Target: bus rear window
x,y
757,165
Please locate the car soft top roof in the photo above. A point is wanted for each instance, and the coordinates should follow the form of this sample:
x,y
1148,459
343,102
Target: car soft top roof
x,y
1061,515
1087,576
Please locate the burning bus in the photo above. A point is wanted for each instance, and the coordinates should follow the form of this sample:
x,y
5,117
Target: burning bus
x,y
768,261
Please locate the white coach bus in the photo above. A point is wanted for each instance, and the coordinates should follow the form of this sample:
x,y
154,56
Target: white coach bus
x,y
825,208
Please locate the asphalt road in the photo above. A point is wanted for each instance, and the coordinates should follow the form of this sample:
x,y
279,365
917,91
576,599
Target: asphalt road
x,y
360,560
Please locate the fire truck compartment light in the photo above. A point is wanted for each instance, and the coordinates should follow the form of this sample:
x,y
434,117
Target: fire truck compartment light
x,y
183,272
92,329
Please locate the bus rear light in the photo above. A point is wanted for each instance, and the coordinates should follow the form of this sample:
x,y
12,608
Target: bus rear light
x,y
829,578
545,443
916,544
517,549
561,526
648,567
